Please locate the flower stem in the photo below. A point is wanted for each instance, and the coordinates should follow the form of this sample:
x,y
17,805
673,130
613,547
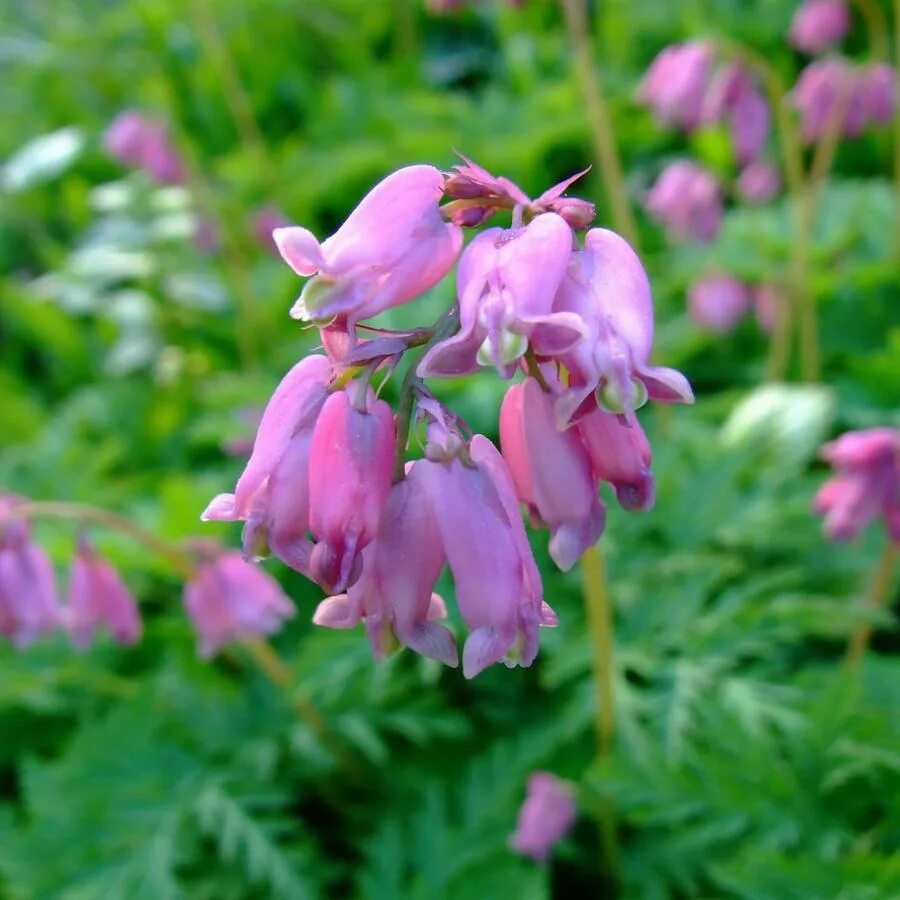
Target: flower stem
x,y
876,28
575,13
876,597
599,612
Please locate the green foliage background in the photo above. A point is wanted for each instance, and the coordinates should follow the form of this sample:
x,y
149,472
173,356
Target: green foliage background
x,y
749,762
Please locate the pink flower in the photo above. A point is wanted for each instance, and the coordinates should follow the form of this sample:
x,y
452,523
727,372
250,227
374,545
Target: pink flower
x,y
393,247
876,92
606,287
750,124
675,84
867,483
546,816
506,283
551,471
620,454
759,182
498,586
272,493
819,24
98,597
138,141
718,302
767,300
29,606
825,88
687,200
394,594
351,461
229,599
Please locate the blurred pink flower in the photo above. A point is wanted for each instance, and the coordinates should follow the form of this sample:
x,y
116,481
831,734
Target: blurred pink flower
x,y
551,471
99,598
718,302
687,201
138,141
546,816
819,24
676,82
767,300
229,599
866,484
264,222
758,182
393,247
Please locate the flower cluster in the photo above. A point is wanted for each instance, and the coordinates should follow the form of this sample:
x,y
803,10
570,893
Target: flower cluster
x,y
866,486
719,302
328,488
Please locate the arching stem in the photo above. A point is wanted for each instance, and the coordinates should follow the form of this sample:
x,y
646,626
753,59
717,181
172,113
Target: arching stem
x,y
876,597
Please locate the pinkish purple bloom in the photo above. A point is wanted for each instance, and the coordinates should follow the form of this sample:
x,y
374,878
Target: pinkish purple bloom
x,y
140,142
826,92
551,470
394,594
819,24
229,599
718,302
351,461
676,82
606,287
98,598
272,493
876,92
767,300
620,455
393,247
759,182
866,484
750,122
29,605
264,222
687,200
506,283
546,816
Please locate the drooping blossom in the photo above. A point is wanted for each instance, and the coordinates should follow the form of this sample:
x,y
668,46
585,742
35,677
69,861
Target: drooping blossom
x,y
264,222
498,588
351,460
876,92
607,288
229,599
718,302
138,141
750,122
767,300
506,283
29,605
272,493
545,817
98,598
819,24
551,470
676,82
395,596
393,247
866,484
687,200
620,455
758,183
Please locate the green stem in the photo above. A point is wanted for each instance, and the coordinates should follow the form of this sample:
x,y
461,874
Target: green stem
x,y
575,13
599,613
876,597
876,28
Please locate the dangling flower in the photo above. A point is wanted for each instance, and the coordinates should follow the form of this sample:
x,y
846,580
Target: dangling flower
x,y
758,183
675,84
551,470
351,460
750,121
822,90
606,287
272,494
687,200
393,247
819,24
546,816
620,454
506,283
394,595
29,605
138,141
867,483
718,302
229,599
99,598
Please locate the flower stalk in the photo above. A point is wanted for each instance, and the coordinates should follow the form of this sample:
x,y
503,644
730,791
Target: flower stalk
x,y
876,597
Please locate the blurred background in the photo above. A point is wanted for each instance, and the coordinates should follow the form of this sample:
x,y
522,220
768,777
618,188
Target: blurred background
x,y
143,324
